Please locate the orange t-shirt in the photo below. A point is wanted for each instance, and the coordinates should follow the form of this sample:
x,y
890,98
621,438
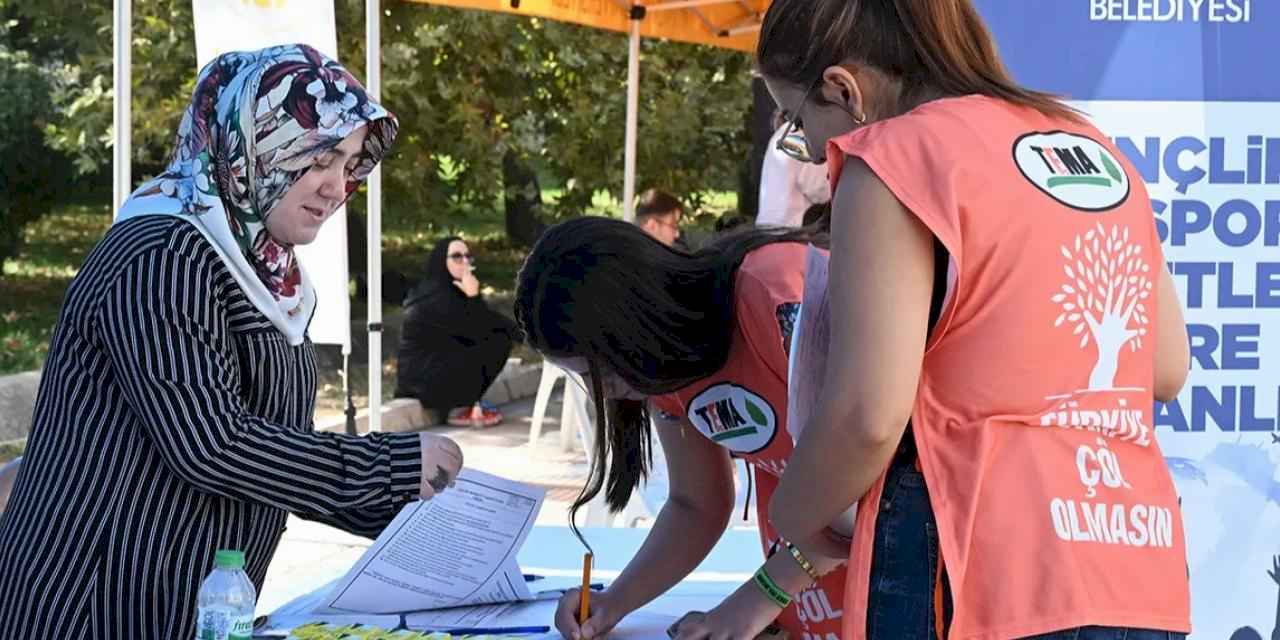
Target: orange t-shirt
x,y
743,408
1033,417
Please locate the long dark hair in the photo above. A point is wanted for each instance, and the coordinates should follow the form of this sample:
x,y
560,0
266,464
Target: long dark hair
x,y
658,317
436,278
940,45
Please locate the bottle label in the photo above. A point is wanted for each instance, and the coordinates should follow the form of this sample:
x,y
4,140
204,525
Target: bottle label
x,y
216,623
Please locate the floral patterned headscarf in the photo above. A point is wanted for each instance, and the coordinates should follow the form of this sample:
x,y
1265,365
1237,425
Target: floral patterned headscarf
x,y
256,123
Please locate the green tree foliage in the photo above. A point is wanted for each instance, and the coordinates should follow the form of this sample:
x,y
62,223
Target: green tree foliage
x,y
77,37
29,172
471,89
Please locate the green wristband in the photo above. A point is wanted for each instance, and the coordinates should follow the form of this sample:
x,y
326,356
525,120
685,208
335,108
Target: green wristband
x,y
771,589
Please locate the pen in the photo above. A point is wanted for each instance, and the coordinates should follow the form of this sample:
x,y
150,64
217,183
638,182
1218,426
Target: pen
x,y
595,586
585,601
495,631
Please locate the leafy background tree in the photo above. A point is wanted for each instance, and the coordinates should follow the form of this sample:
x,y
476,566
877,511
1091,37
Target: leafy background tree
x,y
28,172
476,93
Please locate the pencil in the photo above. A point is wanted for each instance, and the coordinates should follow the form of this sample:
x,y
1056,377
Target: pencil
x,y
584,596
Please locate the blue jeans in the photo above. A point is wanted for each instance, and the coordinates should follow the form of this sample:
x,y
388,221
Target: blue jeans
x,y
905,556
905,561
1109,633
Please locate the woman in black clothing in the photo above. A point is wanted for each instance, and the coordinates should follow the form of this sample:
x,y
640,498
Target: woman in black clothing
x,y
452,345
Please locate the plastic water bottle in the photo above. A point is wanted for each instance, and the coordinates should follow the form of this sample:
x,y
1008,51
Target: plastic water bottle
x,y
226,600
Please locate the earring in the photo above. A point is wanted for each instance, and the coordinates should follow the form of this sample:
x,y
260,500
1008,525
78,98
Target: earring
x,y
860,120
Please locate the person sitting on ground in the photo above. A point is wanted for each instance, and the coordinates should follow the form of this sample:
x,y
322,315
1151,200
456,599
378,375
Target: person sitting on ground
x,y
452,345
659,214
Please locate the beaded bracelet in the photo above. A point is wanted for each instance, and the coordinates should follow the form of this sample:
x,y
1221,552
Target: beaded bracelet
x,y
802,561
771,588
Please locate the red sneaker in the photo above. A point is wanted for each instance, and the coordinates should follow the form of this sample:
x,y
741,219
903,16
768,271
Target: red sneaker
x,y
476,417
485,417
460,417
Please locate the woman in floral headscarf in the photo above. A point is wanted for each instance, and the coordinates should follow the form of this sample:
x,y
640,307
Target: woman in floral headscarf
x,y
174,416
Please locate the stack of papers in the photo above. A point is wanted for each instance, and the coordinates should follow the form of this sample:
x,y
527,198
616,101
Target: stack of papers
x,y
445,563
455,550
637,626
807,363
810,339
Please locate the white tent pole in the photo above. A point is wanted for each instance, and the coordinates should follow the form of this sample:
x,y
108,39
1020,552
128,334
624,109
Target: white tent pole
x,y
122,115
633,105
373,60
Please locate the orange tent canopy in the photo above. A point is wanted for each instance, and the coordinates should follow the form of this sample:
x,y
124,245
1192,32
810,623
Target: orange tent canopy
x,y
730,24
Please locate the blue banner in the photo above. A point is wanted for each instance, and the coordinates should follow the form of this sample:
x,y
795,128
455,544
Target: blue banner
x,y
1184,50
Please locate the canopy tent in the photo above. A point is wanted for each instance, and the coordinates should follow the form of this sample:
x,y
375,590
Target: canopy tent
x,y
730,24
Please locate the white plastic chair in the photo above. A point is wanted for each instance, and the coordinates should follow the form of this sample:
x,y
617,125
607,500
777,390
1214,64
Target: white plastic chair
x,y
597,511
573,409
645,500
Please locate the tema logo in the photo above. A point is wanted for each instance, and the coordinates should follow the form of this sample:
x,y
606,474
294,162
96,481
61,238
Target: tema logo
x,y
734,417
1072,169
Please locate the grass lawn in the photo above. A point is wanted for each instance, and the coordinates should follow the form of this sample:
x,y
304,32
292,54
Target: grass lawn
x,y
11,450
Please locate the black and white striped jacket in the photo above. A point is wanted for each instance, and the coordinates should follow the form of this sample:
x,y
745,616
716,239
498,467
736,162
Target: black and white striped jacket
x,y
172,420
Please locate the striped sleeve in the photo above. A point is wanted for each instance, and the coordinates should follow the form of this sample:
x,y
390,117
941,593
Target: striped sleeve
x,y
166,337
361,522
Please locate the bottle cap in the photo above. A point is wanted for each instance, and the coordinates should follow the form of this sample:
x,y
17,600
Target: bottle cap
x,y
229,559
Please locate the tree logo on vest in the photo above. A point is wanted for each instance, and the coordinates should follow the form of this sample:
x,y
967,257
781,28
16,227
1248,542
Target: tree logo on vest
x,y
1104,301
1074,170
734,417
1103,297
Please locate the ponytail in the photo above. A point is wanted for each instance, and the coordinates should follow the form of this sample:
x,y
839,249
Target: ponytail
x,y
624,439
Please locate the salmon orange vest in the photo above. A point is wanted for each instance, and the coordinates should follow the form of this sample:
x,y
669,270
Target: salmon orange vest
x,y
1034,413
743,408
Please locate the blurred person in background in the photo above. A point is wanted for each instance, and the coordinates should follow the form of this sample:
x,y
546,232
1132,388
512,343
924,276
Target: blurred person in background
x,y
452,345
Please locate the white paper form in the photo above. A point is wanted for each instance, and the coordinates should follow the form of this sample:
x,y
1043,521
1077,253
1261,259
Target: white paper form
x,y
507,614
807,366
457,549
810,340
301,611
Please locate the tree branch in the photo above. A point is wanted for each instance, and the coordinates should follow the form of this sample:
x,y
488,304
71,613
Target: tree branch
x,y
1129,334
1133,303
1093,324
